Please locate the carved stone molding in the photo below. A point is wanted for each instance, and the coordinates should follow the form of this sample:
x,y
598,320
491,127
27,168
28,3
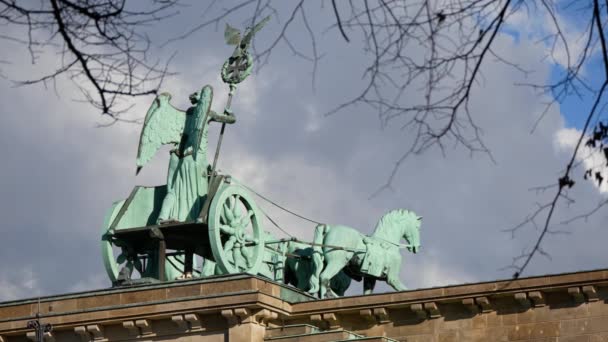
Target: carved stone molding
x,y
484,304
96,331
145,326
237,316
576,294
432,309
82,332
264,316
426,310
477,305
48,336
522,299
93,332
375,316
537,297
180,321
131,327
470,304
368,315
328,320
418,309
381,315
591,293
194,321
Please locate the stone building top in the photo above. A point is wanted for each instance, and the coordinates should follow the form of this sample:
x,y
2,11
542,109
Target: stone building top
x,y
252,307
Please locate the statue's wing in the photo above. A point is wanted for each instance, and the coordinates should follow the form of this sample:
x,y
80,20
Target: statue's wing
x,y
164,124
253,30
232,35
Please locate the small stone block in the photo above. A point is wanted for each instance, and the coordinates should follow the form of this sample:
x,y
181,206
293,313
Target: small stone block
x,y
470,304
576,294
419,310
243,314
432,309
590,293
48,337
316,318
131,327
368,315
522,299
96,330
537,298
193,321
144,325
82,332
264,316
180,321
230,316
381,315
484,303
332,320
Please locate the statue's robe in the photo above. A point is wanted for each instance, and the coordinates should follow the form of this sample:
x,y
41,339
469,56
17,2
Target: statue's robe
x,y
187,181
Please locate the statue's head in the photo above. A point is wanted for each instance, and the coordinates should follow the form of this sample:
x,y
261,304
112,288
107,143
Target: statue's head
x,y
194,98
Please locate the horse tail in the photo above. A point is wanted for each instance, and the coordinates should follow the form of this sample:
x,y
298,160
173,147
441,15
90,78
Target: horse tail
x,y
317,257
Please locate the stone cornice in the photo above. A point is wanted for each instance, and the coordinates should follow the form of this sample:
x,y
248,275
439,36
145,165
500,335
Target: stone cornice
x,y
244,298
455,293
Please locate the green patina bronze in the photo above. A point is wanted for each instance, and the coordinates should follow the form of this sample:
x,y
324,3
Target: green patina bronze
x,y
369,257
157,231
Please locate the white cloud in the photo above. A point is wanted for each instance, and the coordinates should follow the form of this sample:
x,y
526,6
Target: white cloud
x,y
19,284
92,282
565,141
537,24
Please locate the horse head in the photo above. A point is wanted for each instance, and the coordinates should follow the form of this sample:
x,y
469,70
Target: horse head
x,y
411,233
400,224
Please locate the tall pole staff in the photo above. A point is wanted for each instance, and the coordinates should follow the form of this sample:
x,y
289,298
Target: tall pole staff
x,y
234,71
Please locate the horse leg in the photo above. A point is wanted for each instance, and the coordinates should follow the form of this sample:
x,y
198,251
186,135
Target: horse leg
x,y
340,283
368,285
335,263
394,281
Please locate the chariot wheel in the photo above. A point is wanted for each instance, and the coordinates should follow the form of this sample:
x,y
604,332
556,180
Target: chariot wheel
x,y
235,231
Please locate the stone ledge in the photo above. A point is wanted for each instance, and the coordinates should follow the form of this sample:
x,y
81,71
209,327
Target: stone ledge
x,y
181,303
529,290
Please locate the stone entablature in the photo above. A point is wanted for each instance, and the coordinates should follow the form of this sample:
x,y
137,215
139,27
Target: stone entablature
x,y
565,307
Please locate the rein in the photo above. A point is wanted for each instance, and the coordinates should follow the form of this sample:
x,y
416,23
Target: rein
x,y
399,245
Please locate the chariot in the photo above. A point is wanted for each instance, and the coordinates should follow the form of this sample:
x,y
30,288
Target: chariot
x,y
204,216
227,235
157,231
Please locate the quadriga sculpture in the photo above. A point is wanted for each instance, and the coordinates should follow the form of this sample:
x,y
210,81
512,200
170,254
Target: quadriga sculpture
x,y
374,257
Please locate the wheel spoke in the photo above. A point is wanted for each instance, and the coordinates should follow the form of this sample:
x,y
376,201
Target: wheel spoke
x,y
227,229
237,207
247,255
229,244
229,214
251,239
232,201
